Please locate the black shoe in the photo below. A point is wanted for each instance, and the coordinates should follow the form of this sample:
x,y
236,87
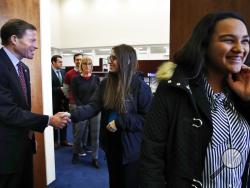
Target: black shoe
x,y
95,163
86,149
82,153
75,159
66,143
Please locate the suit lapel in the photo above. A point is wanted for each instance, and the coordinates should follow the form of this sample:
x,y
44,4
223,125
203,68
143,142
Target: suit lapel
x,y
55,78
13,74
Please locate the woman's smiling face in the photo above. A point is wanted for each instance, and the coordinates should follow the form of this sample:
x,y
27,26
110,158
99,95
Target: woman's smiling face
x,y
229,46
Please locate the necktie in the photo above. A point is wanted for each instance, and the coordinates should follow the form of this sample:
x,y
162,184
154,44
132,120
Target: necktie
x,y
24,88
22,80
59,76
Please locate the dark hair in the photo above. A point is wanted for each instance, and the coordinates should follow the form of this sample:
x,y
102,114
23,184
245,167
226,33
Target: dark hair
x,y
247,61
16,27
192,57
54,58
118,84
75,55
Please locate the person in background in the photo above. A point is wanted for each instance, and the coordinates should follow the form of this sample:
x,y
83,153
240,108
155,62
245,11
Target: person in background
x,y
60,102
68,78
83,87
123,98
17,122
197,130
68,93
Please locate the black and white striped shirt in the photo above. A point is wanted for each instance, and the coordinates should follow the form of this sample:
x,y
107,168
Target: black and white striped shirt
x,y
228,149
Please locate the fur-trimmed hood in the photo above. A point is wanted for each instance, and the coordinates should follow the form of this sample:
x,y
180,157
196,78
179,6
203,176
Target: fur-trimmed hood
x,y
166,71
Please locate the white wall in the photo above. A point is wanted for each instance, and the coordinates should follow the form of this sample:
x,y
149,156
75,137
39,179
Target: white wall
x,y
54,13
47,87
91,23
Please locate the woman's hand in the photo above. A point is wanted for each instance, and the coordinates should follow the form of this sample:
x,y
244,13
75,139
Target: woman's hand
x,y
111,126
241,83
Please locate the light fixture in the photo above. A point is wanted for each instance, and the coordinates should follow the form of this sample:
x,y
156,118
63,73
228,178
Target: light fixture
x,y
89,53
104,49
66,54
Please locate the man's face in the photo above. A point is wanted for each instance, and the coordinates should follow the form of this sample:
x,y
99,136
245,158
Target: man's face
x,y
78,60
58,63
25,46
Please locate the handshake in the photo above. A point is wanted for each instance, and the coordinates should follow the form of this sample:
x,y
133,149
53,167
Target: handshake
x,y
59,120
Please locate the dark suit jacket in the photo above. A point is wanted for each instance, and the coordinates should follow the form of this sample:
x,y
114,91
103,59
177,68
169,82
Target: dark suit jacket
x,y
15,117
60,102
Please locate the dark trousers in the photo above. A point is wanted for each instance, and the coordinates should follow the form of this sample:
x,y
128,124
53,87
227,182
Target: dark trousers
x,y
121,175
24,176
63,134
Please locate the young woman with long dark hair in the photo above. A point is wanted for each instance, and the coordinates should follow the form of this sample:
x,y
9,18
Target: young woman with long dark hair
x,y
123,98
197,131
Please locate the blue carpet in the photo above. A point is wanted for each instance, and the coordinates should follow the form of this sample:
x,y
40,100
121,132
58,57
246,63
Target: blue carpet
x,y
81,175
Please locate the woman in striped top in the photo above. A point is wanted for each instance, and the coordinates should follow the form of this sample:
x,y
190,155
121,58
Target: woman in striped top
x,y
197,132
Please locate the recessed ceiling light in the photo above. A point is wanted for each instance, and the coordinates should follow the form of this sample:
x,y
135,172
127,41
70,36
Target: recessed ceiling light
x,y
89,53
142,52
105,49
66,54
76,51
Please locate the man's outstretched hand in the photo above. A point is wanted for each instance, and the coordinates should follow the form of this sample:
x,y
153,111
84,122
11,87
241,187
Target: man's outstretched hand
x,y
59,120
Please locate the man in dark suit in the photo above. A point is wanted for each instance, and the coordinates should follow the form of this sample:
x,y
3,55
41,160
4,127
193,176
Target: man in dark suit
x,y
60,102
17,122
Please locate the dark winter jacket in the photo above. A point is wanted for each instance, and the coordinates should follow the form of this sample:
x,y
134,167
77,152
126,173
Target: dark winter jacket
x,y
130,125
177,131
